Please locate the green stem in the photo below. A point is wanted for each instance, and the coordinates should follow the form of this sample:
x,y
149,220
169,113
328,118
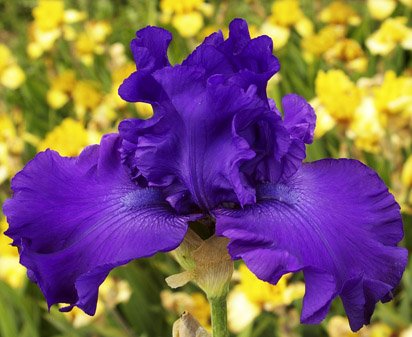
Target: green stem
x,y
219,316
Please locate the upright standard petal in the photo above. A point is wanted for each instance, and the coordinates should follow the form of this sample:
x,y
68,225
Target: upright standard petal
x,y
214,134
199,141
75,219
299,120
149,50
242,60
336,221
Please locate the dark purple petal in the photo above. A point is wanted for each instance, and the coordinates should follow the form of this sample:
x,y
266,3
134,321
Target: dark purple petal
x,y
299,121
74,219
214,134
243,61
300,118
199,140
336,221
149,50
140,87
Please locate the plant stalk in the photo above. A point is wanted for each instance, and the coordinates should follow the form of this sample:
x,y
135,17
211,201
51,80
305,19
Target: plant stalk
x,y
218,307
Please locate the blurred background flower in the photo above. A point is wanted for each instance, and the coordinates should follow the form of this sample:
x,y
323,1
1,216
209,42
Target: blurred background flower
x,y
61,63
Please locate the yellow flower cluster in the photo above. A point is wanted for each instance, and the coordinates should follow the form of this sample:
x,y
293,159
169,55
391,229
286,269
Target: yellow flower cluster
x,y
251,296
91,40
382,9
286,14
52,21
393,32
364,109
68,138
331,41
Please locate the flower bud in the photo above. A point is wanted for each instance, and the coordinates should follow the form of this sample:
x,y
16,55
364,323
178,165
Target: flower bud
x,y
206,262
188,326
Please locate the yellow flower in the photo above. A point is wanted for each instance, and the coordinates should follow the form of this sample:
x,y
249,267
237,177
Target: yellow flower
x,y
48,14
11,271
68,138
46,27
118,75
74,16
317,44
56,98
195,303
241,311
11,75
286,13
5,56
86,97
103,115
51,21
98,30
180,6
185,15
366,127
117,55
349,52
395,94
65,81
324,121
91,40
34,50
381,9
392,32
257,295
407,173
339,13
267,295
305,27
279,34
338,94
61,88
188,24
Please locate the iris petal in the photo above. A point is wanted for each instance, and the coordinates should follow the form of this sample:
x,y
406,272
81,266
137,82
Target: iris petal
x,y
336,221
74,219
149,50
300,118
242,60
214,134
199,140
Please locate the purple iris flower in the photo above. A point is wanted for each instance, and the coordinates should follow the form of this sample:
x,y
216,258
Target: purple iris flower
x,y
217,148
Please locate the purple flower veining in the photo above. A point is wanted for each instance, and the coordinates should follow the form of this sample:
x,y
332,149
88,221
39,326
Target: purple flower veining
x,y
216,146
